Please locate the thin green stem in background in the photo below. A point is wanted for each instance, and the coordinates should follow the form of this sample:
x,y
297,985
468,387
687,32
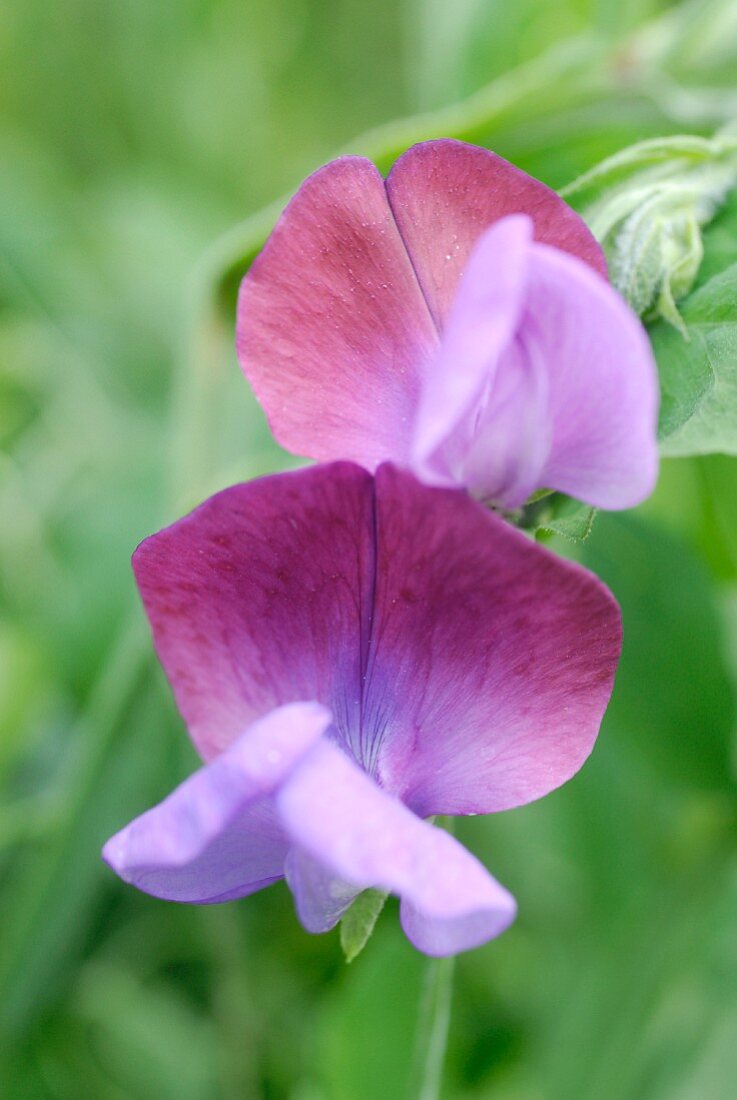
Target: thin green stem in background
x,y
433,1023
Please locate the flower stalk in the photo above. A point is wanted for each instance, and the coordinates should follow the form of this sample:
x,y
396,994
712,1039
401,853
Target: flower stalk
x,y
433,1026
433,1021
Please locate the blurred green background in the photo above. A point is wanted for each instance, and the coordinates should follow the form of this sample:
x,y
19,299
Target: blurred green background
x,y
133,133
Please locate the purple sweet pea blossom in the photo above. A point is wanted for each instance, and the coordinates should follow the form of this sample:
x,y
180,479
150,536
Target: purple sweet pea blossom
x,y
454,319
354,654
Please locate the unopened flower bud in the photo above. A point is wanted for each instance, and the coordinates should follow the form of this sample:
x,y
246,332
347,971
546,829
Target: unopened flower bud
x,y
647,205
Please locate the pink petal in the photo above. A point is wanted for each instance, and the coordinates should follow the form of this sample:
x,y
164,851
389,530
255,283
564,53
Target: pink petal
x,y
216,836
363,837
466,386
603,384
444,194
544,379
333,331
491,662
261,596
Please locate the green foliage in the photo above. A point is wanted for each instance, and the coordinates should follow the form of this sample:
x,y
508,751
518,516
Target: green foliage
x,y
699,374
366,1035
556,514
647,204
669,610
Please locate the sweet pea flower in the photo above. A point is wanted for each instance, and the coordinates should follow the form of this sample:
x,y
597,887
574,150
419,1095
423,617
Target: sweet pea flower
x,y
354,654
454,319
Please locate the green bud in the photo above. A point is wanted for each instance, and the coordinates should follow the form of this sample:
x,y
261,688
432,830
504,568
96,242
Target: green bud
x,y
646,205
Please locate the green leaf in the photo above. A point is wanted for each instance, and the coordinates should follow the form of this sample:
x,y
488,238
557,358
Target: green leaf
x,y
686,377
359,922
575,524
699,374
720,242
558,514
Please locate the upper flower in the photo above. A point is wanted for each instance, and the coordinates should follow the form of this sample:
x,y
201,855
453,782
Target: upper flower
x,y
454,319
353,654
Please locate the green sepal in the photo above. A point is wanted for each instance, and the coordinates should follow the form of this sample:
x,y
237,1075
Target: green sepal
x,y
357,925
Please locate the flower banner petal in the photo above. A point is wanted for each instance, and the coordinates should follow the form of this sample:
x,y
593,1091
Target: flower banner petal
x,y
465,666
261,596
333,330
445,193
492,660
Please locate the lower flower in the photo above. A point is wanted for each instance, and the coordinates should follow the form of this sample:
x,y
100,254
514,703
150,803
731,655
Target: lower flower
x,y
352,655
285,799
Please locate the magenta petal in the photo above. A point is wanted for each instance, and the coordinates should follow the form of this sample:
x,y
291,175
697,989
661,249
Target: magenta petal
x,y
364,837
492,660
261,596
444,194
603,384
465,667
333,331
216,837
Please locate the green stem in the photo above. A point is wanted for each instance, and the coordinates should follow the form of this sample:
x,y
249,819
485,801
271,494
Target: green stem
x,y
433,1021
433,1024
